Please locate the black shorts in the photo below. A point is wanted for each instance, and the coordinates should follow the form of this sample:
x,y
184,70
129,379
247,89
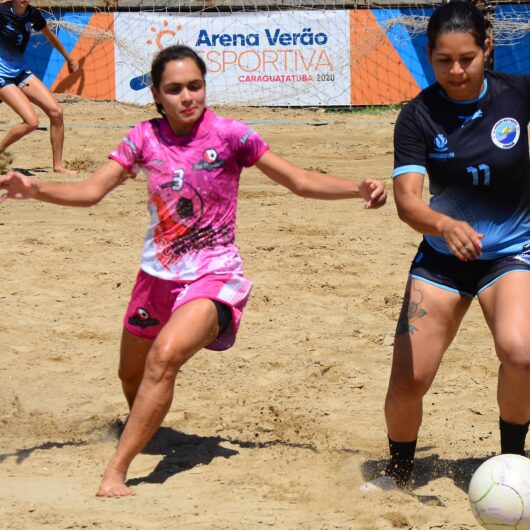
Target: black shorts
x,y
224,316
18,80
467,278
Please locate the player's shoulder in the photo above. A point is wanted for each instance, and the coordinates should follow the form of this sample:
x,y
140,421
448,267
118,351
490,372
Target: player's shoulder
x,y
224,124
496,78
410,109
146,126
34,12
422,99
36,16
144,133
230,131
5,7
499,81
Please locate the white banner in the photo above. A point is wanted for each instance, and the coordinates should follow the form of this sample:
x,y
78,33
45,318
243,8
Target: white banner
x,y
274,58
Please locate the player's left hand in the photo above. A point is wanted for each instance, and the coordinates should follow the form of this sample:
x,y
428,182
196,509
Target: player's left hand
x,y
373,192
73,65
17,186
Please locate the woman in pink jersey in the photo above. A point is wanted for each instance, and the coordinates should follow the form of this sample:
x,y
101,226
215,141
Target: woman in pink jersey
x,y
190,291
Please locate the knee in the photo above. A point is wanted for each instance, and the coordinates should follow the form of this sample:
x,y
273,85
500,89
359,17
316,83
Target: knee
x,y
514,354
32,124
409,386
55,114
163,362
517,364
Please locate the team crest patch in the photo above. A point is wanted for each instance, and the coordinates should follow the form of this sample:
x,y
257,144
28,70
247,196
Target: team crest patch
x,y
505,133
143,319
210,161
210,155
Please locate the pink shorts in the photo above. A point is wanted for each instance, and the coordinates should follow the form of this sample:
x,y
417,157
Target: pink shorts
x,y
153,301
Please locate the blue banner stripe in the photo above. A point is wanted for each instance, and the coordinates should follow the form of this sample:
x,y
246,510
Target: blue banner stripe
x,y
411,48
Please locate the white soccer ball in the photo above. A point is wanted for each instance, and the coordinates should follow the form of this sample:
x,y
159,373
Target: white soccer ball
x,y
499,493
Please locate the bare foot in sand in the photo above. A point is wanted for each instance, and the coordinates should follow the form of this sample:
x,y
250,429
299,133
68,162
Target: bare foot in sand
x,y
64,171
113,484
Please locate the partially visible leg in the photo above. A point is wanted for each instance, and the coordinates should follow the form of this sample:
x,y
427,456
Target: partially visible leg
x,y
39,94
191,327
430,317
506,307
133,353
15,98
429,320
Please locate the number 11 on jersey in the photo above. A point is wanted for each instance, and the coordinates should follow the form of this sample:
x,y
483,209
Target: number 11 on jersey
x,y
482,170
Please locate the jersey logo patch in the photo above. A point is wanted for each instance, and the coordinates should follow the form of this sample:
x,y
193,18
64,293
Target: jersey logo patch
x,y
210,161
246,136
440,143
505,133
143,319
210,155
440,148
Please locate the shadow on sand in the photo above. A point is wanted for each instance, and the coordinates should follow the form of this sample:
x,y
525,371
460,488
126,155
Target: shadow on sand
x,y
21,454
182,452
430,468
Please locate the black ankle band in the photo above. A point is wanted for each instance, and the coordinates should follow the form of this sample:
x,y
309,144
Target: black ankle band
x,y
513,437
401,461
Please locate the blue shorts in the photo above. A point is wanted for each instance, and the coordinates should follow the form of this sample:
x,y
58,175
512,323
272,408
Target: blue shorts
x,y
467,278
18,80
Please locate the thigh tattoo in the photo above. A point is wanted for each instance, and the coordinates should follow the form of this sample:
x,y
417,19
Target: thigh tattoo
x,y
410,311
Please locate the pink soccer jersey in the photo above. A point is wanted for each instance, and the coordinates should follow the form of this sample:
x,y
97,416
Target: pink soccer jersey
x,y
192,184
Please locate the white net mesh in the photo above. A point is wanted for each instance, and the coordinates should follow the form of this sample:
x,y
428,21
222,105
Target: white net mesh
x,y
267,53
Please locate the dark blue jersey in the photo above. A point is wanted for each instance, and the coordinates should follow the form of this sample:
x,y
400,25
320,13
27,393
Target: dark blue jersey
x,y
14,36
476,156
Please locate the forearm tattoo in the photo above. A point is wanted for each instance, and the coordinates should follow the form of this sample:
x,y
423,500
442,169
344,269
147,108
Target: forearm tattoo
x,y
410,311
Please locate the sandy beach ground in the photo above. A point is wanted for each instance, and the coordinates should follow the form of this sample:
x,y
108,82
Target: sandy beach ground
x,y
279,431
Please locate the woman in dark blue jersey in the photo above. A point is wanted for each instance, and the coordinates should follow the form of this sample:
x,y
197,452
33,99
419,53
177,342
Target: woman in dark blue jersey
x,y
19,87
468,132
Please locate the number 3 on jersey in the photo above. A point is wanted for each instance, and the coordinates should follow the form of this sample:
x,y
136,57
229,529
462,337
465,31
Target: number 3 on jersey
x,y
482,171
178,179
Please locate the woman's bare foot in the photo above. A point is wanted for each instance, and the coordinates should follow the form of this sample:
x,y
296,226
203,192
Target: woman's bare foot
x,y
64,171
113,484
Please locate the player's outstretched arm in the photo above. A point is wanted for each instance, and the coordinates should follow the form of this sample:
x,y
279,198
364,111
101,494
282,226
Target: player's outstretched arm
x,y
83,193
316,185
73,65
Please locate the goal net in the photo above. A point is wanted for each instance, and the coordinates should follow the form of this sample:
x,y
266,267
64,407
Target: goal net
x,y
274,53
